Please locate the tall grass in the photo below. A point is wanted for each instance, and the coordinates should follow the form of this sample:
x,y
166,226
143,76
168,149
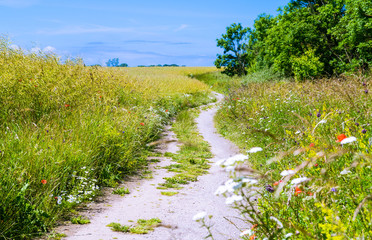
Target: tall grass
x,y
66,130
298,126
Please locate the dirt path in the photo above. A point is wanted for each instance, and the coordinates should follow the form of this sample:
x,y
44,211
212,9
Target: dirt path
x,y
176,212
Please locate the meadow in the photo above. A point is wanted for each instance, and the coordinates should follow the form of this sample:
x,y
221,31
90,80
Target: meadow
x,y
309,146
67,130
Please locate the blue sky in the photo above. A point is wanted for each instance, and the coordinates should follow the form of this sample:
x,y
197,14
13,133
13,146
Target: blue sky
x,y
137,32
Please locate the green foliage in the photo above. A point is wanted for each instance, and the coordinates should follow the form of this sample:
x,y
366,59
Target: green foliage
x,y
121,191
117,227
310,38
297,124
80,220
142,227
306,66
193,154
234,59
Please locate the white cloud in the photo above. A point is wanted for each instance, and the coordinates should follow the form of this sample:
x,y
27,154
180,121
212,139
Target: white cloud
x,y
183,26
35,50
18,3
49,49
14,47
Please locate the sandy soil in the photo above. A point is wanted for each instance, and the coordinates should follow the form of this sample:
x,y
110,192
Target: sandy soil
x,y
176,212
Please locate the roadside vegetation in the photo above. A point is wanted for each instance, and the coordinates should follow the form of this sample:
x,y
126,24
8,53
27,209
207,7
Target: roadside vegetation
x,y
67,130
313,159
298,104
192,158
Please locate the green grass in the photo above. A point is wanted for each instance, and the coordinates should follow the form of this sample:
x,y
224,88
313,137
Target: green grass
x,y
67,130
297,125
121,191
80,220
117,227
169,193
193,154
142,227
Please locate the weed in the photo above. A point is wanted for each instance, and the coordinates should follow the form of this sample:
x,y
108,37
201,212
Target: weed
x,y
314,162
191,158
169,193
144,226
121,191
117,227
80,220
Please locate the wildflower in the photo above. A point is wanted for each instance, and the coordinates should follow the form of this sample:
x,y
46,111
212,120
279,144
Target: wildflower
x,y
142,124
357,124
276,183
348,140
254,150
237,158
252,237
233,198
287,172
341,137
199,216
366,91
269,188
345,171
311,145
288,235
297,191
279,223
248,232
315,165
364,84
166,110
250,181
43,181
59,199
318,114
333,189
299,180
67,105
364,131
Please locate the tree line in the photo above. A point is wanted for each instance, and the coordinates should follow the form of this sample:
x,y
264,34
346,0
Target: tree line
x,y
307,39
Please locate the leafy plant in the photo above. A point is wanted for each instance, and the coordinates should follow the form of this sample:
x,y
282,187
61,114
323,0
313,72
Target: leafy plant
x,y
121,191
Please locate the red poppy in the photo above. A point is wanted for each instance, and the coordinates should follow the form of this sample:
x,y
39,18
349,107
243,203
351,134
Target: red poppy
x,y
254,226
341,137
100,96
298,191
43,181
166,110
316,165
311,145
142,124
67,105
237,98
275,183
252,237
35,85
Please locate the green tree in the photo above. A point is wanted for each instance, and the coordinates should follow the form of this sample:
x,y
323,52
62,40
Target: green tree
x,y
235,56
113,62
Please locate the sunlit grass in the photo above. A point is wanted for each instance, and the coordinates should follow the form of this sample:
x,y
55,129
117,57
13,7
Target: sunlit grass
x,y
298,126
66,130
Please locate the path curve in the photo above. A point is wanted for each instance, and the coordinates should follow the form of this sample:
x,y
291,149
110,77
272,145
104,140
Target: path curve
x,y
176,212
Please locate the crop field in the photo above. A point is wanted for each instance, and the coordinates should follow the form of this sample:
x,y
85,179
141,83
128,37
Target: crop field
x,y
66,130
309,146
